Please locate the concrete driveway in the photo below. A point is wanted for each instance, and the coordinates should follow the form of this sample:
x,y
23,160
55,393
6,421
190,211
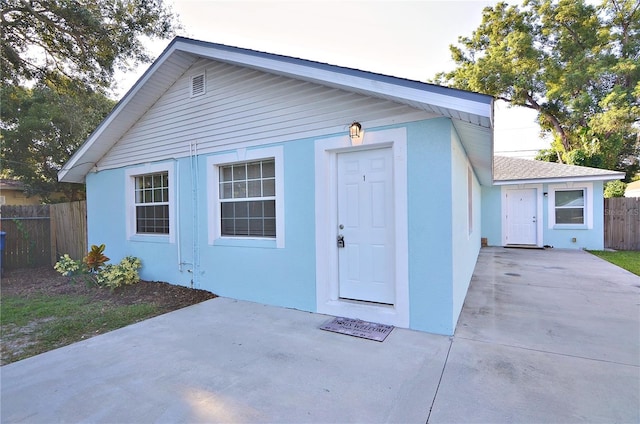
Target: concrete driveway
x,y
545,336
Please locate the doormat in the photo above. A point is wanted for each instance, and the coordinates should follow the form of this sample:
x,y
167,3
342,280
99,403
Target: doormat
x,y
358,328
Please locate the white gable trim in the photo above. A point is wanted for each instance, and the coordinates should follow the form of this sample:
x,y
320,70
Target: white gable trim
x,y
474,108
323,76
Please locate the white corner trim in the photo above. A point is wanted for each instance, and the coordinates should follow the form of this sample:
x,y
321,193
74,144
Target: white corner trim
x,y
213,185
327,289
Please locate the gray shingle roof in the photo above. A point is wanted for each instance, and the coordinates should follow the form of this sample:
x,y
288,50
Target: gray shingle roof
x,y
510,170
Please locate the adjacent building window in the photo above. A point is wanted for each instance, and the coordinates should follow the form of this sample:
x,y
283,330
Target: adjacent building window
x,y
248,199
570,207
152,203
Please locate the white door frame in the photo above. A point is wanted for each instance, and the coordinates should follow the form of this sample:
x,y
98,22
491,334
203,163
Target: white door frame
x,y
539,214
326,221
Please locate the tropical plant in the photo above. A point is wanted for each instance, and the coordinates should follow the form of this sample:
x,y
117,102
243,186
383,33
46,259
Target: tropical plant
x,y
95,259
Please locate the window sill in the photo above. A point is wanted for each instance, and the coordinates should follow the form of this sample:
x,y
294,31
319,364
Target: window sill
x,y
150,238
570,227
246,242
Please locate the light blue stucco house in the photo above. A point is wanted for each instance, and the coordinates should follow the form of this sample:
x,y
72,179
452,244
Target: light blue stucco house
x,y
537,204
237,171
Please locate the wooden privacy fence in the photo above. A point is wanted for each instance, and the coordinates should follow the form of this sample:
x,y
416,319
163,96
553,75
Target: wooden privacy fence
x,y
69,229
38,234
28,238
622,223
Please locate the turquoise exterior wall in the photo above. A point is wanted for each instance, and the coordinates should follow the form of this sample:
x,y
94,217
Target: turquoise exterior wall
x,y
592,239
465,232
442,251
430,262
562,238
492,215
282,277
286,276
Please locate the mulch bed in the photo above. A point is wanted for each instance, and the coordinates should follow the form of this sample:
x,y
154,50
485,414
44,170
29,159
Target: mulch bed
x,y
46,281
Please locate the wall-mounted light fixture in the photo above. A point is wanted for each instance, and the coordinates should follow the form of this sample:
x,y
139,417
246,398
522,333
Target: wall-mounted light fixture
x,y
356,134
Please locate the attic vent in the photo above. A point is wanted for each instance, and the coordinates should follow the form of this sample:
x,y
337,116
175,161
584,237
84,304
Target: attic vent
x,y
197,85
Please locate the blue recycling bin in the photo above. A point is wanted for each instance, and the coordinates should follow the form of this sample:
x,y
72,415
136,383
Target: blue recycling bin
x,y
3,234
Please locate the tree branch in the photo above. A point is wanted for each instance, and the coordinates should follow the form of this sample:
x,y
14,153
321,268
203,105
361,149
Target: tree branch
x,y
553,120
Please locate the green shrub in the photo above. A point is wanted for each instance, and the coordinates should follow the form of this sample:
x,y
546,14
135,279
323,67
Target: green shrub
x,y
67,266
124,273
614,188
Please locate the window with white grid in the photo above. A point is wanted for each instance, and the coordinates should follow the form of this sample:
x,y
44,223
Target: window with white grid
x,y
247,196
152,203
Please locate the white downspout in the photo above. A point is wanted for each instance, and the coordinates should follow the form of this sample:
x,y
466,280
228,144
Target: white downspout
x,y
193,156
177,203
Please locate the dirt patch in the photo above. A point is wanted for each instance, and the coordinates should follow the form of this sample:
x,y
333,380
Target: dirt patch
x,y
46,281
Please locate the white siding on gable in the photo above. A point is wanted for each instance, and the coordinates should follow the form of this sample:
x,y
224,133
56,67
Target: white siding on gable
x,y
244,107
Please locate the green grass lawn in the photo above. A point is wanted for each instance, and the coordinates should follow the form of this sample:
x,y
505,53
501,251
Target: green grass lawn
x,y
32,325
627,259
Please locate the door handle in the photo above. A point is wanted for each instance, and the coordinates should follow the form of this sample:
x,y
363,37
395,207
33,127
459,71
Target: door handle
x,y
340,241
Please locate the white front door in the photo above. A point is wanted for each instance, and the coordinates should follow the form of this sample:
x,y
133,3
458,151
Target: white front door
x,y
521,216
366,226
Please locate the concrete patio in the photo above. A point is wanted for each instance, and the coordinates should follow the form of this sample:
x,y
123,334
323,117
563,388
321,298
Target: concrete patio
x,y
544,336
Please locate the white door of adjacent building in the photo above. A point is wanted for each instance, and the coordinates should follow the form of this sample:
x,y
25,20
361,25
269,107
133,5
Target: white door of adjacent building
x,y
521,216
366,226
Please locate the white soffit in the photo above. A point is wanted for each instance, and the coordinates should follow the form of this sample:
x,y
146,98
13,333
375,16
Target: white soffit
x,y
472,113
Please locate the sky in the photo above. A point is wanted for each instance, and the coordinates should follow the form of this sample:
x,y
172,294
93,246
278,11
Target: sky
x,y
408,39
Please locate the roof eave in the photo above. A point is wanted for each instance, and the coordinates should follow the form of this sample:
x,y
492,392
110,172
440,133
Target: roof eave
x,y
375,84
607,177
477,107
65,174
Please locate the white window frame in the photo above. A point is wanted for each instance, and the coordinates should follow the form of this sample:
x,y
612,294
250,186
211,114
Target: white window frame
x,y
214,163
130,204
587,188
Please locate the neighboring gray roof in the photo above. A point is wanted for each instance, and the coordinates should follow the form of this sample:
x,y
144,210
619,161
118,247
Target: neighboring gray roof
x,y
471,113
9,184
508,170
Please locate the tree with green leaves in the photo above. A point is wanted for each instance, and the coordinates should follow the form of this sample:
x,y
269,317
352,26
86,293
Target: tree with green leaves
x,y
615,188
576,65
57,64
42,128
84,41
